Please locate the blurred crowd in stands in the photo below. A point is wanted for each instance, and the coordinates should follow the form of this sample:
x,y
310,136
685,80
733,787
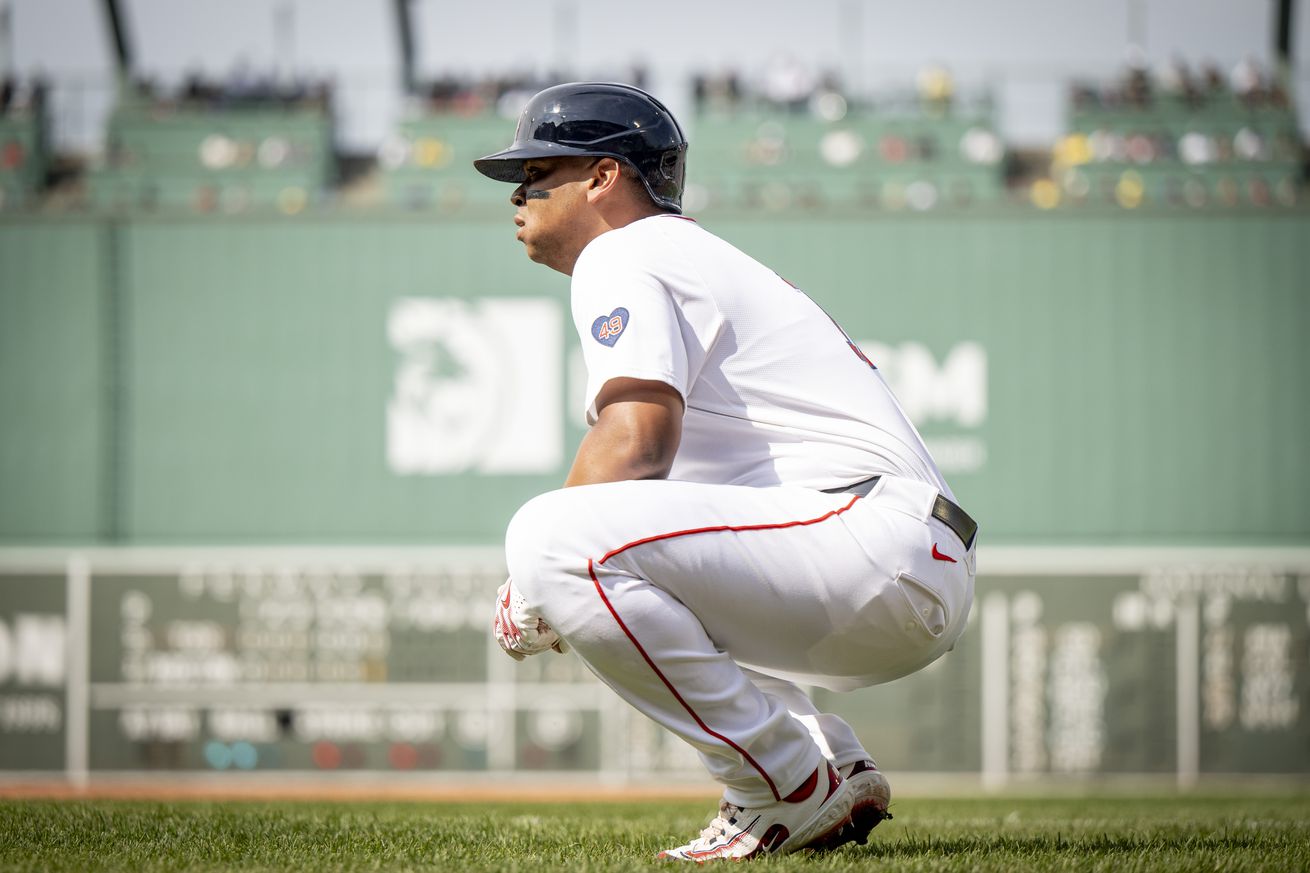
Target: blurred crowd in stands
x,y
504,94
243,89
22,95
1138,88
786,85
1178,134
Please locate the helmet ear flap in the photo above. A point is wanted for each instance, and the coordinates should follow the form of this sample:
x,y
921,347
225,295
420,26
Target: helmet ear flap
x,y
669,165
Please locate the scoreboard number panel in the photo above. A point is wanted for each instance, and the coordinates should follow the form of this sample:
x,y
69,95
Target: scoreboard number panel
x,y
1075,663
33,671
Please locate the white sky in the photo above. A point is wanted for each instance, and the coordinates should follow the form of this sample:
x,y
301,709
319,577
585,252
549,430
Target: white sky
x,y
1026,50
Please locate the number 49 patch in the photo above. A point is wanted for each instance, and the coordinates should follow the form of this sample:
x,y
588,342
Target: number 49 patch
x,y
608,328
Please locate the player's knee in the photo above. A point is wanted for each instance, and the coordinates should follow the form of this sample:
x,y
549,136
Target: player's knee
x,y
538,550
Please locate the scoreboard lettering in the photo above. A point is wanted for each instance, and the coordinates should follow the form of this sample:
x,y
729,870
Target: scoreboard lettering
x,y
385,663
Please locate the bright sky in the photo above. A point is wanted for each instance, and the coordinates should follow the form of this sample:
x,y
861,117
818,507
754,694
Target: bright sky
x,y
1026,50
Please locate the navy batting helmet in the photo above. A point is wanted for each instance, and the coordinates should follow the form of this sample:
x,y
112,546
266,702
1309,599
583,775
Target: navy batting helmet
x,y
598,119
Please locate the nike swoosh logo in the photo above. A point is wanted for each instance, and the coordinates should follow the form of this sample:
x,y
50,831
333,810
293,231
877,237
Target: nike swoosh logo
x,y
939,556
505,602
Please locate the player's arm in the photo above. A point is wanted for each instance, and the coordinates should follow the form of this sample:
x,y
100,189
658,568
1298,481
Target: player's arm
x,y
636,434
638,426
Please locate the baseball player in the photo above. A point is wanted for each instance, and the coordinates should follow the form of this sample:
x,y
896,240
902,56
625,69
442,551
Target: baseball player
x,y
750,510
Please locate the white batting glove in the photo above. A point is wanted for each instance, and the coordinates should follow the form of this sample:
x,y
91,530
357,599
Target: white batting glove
x,y
519,633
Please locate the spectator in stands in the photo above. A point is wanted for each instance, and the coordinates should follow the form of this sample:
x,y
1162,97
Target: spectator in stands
x,y
1083,96
246,89
441,93
1213,84
1247,82
1136,91
718,92
788,84
196,91
7,89
1176,82
243,85
506,92
936,89
296,92
144,88
37,92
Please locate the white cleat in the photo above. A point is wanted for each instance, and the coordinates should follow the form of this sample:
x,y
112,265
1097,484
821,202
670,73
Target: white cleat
x,y
814,816
870,797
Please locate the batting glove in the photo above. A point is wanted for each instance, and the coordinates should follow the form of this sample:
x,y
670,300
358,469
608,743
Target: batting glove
x,y
519,633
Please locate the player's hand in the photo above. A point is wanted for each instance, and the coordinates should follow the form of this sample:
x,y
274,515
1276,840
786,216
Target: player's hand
x,y
519,633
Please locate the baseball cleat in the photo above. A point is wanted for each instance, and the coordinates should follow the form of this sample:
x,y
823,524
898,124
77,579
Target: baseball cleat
x,y
870,797
813,816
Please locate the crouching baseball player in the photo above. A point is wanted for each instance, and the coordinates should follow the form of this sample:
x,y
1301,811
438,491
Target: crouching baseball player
x,y
750,508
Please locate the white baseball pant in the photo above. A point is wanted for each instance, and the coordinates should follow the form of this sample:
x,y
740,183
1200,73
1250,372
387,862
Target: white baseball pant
x,y
701,605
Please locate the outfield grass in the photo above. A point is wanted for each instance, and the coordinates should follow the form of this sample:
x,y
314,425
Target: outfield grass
x,y
1120,835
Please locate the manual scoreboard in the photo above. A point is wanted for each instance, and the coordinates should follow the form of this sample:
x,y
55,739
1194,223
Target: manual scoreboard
x,y
1075,663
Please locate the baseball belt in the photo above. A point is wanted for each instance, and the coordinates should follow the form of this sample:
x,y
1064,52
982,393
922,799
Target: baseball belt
x,y
944,510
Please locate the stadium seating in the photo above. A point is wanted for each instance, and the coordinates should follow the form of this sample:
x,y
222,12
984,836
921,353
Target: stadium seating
x,y
229,160
750,160
1175,151
1127,146
23,155
428,162
865,161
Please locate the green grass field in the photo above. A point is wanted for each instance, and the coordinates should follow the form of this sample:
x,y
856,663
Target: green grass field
x,y
1121,835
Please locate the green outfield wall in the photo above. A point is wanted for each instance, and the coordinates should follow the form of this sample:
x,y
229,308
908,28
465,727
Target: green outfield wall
x,y
185,402
55,326
1083,378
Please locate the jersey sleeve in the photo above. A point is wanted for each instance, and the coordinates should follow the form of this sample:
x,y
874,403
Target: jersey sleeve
x,y
628,325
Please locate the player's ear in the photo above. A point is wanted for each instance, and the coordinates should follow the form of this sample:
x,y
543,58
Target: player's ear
x,y
606,176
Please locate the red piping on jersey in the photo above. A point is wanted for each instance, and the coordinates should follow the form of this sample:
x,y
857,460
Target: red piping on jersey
x,y
591,569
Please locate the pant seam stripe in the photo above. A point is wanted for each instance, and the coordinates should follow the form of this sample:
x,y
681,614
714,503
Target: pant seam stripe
x,y
591,569
727,528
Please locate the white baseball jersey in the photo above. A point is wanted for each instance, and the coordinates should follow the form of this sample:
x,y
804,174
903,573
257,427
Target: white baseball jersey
x,y
775,392
702,602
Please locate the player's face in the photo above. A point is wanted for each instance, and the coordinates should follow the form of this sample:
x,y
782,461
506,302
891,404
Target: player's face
x,y
548,210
